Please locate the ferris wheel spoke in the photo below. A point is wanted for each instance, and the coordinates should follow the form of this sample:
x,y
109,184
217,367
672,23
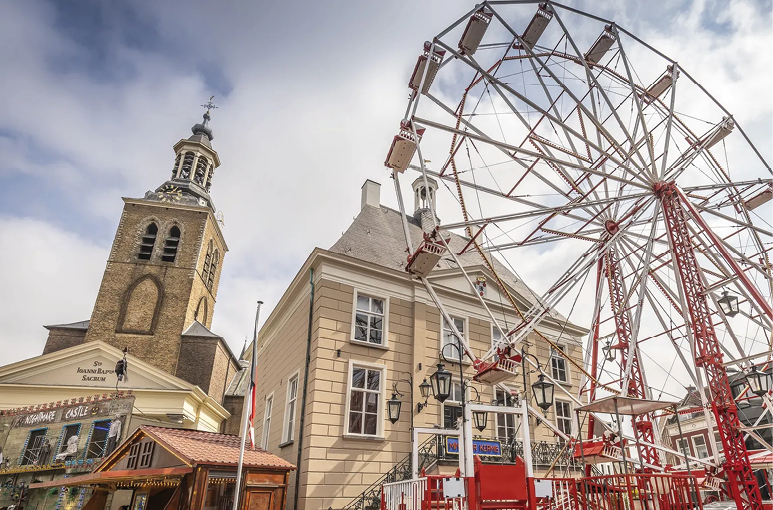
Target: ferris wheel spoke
x,y
599,88
608,136
636,101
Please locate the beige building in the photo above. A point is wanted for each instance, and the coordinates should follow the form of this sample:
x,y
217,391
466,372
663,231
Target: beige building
x,y
369,326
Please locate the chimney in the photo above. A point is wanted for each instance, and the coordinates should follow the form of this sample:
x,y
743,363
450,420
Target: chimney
x,y
371,194
424,203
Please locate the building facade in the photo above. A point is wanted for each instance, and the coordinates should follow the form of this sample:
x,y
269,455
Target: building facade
x,y
353,325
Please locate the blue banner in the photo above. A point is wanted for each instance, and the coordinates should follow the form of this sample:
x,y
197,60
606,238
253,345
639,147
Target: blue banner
x,y
479,446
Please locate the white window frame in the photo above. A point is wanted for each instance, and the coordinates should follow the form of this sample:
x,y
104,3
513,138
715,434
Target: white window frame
x,y
696,448
495,330
561,418
560,358
679,446
452,353
288,433
504,416
382,399
385,321
267,412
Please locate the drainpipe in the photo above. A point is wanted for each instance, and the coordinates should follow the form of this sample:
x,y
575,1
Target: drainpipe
x,y
305,391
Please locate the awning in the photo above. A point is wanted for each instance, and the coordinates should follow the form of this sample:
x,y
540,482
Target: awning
x,y
627,406
107,477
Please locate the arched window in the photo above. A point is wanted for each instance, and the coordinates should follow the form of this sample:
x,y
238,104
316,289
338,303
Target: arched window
x,y
140,306
185,173
201,170
207,262
176,165
213,269
148,241
209,178
201,311
170,246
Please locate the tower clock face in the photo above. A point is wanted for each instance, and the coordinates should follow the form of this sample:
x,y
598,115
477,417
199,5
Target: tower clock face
x,y
170,193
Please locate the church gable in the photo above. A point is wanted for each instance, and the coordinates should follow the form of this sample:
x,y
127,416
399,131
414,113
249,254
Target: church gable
x,y
91,364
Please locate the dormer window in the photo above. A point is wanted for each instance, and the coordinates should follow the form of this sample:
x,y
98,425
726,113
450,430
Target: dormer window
x,y
170,246
147,242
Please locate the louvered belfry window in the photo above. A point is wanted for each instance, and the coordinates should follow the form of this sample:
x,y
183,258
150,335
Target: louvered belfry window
x,y
207,262
171,244
147,242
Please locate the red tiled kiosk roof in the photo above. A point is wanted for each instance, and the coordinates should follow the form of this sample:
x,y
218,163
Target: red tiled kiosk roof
x,y
199,447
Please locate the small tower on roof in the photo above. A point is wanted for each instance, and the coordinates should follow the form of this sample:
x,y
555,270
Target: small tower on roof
x,y
424,202
195,163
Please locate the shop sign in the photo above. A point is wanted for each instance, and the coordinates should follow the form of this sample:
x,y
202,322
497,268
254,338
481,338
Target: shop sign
x,y
479,446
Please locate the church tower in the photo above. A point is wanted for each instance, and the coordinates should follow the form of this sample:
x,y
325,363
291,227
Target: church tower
x,y
164,267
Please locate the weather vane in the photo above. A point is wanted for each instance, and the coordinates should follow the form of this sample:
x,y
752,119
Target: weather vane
x,y
209,105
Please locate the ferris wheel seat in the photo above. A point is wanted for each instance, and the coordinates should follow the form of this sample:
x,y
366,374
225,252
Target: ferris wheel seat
x,y
725,128
601,46
403,147
434,57
474,32
597,451
496,372
537,25
426,257
659,87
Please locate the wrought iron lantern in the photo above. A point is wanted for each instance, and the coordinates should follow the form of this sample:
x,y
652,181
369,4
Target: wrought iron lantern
x,y
441,383
425,388
759,381
393,407
481,419
729,304
609,353
543,393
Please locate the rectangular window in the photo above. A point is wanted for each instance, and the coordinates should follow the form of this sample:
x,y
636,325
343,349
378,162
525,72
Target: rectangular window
x,y
449,338
68,432
564,417
365,387
98,441
133,457
558,365
32,449
718,441
267,421
699,443
505,422
682,445
146,454
292,396
369,320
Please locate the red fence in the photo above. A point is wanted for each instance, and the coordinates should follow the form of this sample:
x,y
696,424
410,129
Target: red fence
x,y
623,492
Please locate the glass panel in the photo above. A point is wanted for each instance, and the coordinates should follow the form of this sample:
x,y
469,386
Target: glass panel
x,y
375,336
374,379
362,303
360,333
358,378
371,403
370,424
355,404
355,423
376,322
459,323
377,306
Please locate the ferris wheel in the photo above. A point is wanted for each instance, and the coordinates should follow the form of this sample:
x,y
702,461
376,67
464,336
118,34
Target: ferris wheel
x,y
565,138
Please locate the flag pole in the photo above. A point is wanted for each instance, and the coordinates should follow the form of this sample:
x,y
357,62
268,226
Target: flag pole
x,y
247,410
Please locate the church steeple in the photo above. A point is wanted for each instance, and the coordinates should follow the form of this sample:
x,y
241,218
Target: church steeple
x,y
194,167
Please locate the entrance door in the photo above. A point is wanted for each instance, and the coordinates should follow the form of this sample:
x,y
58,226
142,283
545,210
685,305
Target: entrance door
x,y
263,498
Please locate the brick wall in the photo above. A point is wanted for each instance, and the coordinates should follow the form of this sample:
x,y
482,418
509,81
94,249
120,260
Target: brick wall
x,y
62,338
116,323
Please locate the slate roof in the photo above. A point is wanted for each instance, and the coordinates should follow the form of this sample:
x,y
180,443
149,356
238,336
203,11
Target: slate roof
x,y
376,236
198,329
80,325
199,447
238,386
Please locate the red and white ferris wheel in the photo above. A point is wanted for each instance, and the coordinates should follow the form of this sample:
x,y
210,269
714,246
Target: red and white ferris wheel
x,y
563,137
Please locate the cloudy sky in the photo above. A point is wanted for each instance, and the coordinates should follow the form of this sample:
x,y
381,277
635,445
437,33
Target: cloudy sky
x,y
94,95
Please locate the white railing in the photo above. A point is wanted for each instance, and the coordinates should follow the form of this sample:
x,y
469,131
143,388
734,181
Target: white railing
x,y
405,495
